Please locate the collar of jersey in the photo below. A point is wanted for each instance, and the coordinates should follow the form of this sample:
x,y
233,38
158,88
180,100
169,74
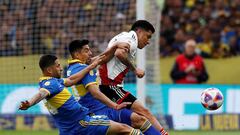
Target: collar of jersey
x,y
44,78
74,61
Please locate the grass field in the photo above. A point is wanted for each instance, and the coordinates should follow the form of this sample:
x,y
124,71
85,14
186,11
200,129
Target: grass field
x,y
171,132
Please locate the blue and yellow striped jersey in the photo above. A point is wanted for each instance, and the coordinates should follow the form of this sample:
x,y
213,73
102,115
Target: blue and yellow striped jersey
x,y
65,110
80,89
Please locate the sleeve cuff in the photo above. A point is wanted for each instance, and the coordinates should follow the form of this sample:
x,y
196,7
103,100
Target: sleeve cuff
x,y
45,90
90,84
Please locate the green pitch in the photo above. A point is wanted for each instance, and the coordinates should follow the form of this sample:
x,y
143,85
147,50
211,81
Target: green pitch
x,y
171,132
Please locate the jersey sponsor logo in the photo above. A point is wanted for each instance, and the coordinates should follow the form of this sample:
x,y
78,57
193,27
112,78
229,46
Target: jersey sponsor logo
x,y
133,36
91,73
47,83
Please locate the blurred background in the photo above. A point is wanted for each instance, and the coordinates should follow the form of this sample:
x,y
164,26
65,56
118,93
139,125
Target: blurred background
x,y
30,28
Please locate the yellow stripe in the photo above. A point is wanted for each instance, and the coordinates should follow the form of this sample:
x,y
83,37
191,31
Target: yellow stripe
x,y
64,80
74,61
146,125
131,132
90,84
44,78
79,90
59,99
45,90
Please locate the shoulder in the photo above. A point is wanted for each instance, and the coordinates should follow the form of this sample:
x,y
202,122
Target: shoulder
x,y
125,37
198,58
50,83
72,69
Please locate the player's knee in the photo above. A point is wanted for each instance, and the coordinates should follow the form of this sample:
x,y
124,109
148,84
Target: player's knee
x,y
137,120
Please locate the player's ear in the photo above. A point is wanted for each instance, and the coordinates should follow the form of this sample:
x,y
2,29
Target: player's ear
x,y
75,54
49,69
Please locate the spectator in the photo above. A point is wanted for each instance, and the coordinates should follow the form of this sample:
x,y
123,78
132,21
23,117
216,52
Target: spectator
x,y
189,67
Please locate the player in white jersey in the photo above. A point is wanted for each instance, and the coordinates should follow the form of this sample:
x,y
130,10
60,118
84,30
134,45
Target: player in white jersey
x,y
112,73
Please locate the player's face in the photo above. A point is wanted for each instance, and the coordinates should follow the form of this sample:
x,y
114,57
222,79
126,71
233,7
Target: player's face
x,y
85,53
56,69
143,38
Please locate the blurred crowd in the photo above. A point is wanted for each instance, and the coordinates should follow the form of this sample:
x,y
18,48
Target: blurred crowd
x,y
47,26
214,24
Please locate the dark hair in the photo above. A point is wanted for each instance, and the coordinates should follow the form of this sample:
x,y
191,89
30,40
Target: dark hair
x,y
143,24
46,61
76,44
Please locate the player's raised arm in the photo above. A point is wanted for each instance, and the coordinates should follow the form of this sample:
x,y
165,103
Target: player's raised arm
x,y
78,76
34,100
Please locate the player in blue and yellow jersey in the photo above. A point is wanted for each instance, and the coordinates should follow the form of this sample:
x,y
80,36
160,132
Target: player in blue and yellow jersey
x,y
89,95
70,116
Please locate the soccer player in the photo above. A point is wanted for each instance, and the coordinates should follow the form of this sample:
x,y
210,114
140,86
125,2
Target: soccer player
x,y
70,116
87,90
113,72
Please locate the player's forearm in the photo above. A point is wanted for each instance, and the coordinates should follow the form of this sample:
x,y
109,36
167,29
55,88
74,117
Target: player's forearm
x,y
127,62
73,79
123,57
101,97
37,98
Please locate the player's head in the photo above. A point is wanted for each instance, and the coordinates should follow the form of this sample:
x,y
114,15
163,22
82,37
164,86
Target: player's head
x,y
190,46
144,30
50,66
79,49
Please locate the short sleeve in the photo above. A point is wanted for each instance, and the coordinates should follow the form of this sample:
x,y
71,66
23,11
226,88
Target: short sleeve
x,y
53,87
89,79
125,37
129,39
75,70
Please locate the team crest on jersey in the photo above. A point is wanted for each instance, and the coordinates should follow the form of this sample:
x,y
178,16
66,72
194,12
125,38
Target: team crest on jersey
x,y
47,83
91,73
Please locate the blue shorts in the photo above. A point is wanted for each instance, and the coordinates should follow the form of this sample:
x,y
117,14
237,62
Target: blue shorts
x,y
121,116
90,125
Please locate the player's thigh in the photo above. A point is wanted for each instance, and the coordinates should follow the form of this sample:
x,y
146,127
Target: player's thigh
x,y
121,116
118,128
138,107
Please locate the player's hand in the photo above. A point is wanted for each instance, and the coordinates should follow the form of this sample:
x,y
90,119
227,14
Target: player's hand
x,y
196,72
24,105
97,60
125,47
139,73
122,105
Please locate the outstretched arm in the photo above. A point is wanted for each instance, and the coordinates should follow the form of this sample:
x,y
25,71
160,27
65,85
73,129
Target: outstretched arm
x,y
34,100
73,79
